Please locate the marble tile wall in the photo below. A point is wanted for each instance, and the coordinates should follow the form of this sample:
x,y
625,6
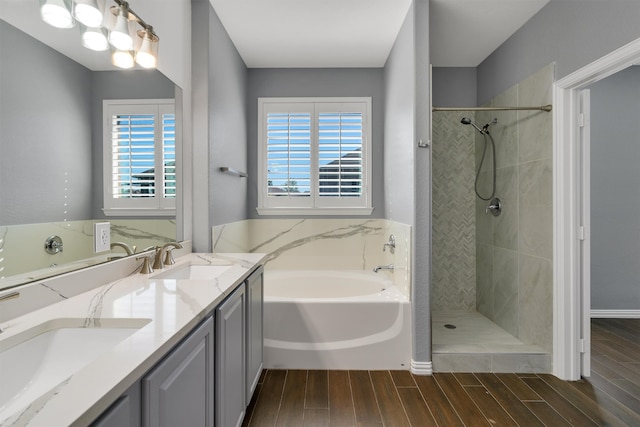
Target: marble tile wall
x,y
22,246
514,250
453,285
320,244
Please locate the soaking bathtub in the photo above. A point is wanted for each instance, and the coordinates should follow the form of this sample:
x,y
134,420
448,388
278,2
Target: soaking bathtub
x,y
335,319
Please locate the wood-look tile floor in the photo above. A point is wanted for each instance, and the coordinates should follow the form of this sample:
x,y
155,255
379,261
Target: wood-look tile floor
x,y
610,397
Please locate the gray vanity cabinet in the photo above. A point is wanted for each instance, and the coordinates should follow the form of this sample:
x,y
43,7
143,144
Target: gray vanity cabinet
x,y
255,342
178,391
195,385
230,359
125,412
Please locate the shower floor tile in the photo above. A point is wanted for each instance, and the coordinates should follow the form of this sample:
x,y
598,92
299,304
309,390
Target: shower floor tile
x,y
474,334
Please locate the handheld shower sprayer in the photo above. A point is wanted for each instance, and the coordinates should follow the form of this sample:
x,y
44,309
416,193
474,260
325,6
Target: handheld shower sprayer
x,y
484,132
468,121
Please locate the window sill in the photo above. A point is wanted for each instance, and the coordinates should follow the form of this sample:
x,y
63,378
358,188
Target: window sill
x,y
315,211
138,212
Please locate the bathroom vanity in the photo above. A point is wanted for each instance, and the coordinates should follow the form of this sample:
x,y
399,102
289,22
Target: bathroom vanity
x,y
193,357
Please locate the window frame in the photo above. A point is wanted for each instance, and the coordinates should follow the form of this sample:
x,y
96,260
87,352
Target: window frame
x,y
314,204
151,206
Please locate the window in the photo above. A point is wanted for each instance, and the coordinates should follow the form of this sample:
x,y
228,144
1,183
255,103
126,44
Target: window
x,y
139,157
314,156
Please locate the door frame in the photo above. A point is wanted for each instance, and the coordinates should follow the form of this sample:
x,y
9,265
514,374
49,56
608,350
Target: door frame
x,y
570,287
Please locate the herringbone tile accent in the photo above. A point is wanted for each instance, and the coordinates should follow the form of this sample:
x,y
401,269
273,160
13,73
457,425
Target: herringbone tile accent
x,y
454,235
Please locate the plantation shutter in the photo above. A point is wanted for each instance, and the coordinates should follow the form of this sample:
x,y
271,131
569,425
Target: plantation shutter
x,y
340,154
140,157
133,155
314,156
169,154
289,154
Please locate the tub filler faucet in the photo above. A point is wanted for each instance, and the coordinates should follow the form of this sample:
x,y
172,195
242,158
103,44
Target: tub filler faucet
x,y
383,267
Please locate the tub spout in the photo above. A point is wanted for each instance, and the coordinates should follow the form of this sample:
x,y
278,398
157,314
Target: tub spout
x,y
383,267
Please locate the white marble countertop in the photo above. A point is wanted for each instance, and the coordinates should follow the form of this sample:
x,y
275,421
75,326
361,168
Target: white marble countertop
x,y
173,307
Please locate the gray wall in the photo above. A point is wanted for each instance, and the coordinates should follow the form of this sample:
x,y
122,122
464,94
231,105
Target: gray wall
x,y
421,259
615,191
45,133
219,81
126,84
573,33
407,171
454,87
311,82
227,126
399,125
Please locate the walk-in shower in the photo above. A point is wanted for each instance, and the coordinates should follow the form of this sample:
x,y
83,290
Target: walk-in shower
x,y
488,282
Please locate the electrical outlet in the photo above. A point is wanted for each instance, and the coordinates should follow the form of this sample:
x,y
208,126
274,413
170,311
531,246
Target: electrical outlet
x,y
102,236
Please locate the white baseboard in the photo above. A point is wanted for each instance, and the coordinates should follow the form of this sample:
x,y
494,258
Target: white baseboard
x,y
615,314
421,368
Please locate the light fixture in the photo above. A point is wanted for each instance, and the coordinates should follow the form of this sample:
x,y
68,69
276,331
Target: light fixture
x,y
95,35
119,36
147,55
122,58
87,12
94,38
57,13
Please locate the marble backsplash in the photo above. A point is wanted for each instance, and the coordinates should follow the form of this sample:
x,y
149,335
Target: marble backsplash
x,y
22,246
321,244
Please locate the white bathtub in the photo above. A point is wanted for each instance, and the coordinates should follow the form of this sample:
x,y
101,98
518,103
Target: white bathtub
x,y
335,319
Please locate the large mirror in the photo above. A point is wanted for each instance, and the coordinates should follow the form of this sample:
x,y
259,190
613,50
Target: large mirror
x,y
51,148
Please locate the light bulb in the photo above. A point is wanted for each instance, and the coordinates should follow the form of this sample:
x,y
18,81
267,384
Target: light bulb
x,y
57,13
122,59
87,12
119,37
146,56
95,39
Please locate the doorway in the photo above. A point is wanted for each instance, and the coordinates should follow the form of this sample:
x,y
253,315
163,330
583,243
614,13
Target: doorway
x,y
572,243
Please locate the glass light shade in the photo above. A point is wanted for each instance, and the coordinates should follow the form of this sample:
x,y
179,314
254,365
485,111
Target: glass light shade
x,y
122,59
87,12
57,13
94,38
119,36
147,55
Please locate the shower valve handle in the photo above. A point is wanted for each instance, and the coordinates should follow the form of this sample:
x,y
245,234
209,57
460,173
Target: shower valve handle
x,y
495,207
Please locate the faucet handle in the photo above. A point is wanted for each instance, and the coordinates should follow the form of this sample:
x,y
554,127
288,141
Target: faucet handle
x,y
157,263
146,264
391,244
168,257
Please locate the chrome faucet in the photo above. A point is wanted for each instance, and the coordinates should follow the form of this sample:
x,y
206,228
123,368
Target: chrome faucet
x,y
389,267
166,252
127,248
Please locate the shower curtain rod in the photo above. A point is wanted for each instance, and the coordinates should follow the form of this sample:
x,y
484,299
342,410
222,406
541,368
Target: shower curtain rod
x,y
547,107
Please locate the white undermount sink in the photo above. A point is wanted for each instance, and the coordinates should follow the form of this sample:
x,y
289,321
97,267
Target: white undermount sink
x,y
34,362
194,272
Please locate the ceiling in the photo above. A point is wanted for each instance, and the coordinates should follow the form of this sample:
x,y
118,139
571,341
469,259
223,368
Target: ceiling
x,y
361,33
25,15
313,33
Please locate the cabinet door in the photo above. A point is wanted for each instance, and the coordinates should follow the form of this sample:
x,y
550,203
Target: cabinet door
x,y
125,412
254,331
230,359
179,390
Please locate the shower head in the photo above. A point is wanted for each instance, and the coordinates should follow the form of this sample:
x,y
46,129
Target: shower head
x,y
467,121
